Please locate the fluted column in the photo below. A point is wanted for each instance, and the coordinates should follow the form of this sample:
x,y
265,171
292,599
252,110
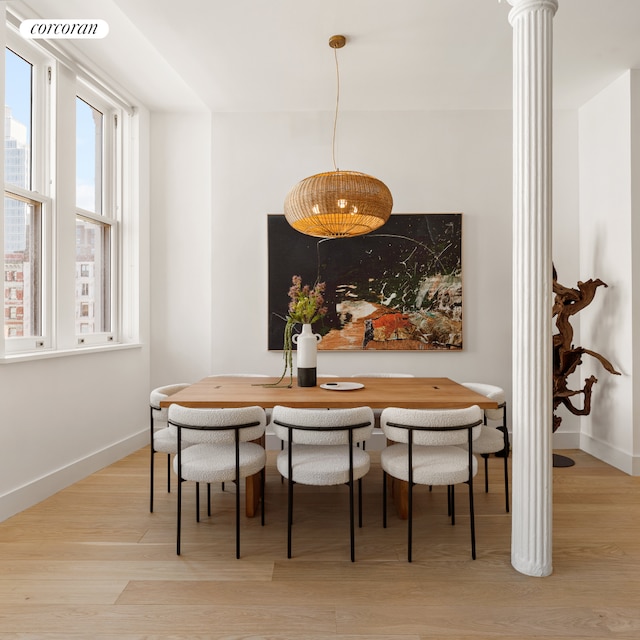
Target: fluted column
x,y
532,22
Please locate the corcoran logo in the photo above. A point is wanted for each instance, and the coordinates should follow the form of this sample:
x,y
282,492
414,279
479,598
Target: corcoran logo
x,y
68,29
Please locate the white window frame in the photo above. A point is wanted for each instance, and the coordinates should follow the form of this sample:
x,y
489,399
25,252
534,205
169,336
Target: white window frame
x,y
40,178
110,205
56,66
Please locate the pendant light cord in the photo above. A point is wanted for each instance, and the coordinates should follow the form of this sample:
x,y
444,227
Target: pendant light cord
x,y
335,118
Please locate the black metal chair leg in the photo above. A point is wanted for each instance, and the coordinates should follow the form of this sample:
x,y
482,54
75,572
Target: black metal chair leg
x,y
410,523
263,480
472,521
151,461
360,503
179,515
384,499
282,449
237,519
209,499
168,473
151,480
486,472
506,483
352,532
197,502
289,515
179,499
453,504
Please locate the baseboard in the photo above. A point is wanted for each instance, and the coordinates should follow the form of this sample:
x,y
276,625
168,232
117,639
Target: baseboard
x,y
604,451
26,496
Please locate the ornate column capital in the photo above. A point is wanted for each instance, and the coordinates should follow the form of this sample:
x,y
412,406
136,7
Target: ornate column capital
x,y
522,6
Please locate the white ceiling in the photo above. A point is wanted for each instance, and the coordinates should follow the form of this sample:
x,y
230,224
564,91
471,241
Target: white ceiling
x,y
255,55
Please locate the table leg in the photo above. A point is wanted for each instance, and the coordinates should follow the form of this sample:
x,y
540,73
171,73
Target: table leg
x,y
400,493
253,485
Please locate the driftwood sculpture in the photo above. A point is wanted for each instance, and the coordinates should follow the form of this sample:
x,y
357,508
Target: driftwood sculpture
x,y
566,357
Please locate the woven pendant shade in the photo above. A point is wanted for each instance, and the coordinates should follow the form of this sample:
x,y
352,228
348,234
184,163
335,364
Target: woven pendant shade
x,y
338,204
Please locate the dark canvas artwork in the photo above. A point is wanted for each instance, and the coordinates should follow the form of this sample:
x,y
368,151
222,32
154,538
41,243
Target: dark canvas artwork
x,y
398,288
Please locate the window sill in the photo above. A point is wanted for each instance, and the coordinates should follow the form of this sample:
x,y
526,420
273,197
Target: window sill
x,y
61,353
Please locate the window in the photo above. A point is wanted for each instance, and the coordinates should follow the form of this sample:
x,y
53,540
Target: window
x,y
23,206
17,120
96,142
23,263
89,134
64,201
93,256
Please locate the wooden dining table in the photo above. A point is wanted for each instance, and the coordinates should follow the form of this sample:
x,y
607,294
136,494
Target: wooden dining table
x,y
377,393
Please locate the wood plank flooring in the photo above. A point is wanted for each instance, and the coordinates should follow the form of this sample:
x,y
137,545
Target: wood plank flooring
x,y
92,562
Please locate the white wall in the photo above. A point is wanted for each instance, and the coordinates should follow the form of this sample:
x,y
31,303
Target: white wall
x,y
607,127
635,240
64,418
566,239
181,251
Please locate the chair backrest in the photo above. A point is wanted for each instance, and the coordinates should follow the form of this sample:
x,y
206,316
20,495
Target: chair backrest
x,y
322,426
432,427
157,395
493,393
217,426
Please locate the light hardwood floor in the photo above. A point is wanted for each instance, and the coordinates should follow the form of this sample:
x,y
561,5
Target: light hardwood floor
x,y
92,562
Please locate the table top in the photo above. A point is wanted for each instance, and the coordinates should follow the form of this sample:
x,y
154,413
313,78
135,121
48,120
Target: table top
x,y
377,393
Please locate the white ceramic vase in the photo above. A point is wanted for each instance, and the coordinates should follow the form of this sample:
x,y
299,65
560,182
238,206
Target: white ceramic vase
x,y
307,356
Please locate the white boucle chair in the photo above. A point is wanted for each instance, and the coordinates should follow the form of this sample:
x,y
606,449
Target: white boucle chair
x,y
161,440
427,451
237,375
321,450
493,439
378,412
220,451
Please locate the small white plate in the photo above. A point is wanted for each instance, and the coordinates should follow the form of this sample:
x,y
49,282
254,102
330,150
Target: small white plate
x,y
342,386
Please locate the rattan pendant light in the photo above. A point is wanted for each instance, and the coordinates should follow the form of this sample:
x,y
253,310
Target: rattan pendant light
x,y
338,204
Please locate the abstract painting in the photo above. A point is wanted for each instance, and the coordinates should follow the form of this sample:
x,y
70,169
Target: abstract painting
x,y
397,288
